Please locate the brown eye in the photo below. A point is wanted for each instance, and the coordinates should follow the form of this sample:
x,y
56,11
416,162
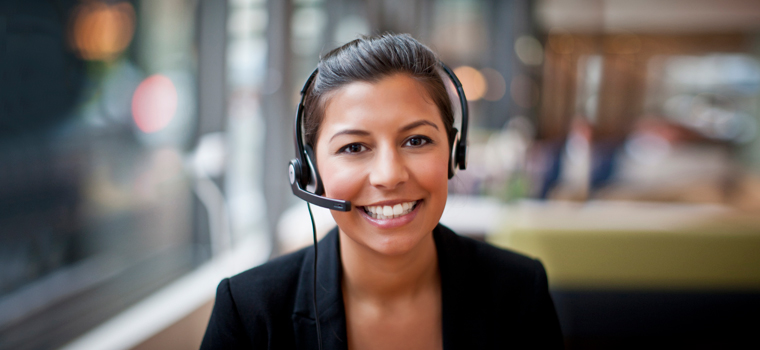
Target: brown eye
x,y
352,148
417,141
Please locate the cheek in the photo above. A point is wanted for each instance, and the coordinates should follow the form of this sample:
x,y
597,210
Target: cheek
x,y
433,175
340,182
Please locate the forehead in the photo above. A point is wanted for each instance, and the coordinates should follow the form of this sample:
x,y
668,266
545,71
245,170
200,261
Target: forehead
x,y
374,106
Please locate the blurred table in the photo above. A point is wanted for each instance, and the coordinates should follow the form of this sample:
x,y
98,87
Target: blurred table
x,y
612,245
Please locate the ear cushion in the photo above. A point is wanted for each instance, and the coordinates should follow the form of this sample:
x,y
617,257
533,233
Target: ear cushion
x,y
462,154
454,142
315,182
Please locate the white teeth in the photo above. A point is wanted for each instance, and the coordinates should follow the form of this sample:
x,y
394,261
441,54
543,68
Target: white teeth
x,y
390,212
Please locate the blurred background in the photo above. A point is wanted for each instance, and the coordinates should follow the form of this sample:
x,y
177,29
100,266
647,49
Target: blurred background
x,y
143,148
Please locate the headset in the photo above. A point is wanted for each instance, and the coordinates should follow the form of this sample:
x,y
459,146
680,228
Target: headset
x,y
302,171
307,185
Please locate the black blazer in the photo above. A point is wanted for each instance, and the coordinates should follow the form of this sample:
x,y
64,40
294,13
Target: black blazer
x,y
492,299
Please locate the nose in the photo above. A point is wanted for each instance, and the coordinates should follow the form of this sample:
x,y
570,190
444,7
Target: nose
x,y
388,169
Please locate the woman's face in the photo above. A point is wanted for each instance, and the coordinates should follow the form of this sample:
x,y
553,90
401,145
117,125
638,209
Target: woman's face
x,y
383,146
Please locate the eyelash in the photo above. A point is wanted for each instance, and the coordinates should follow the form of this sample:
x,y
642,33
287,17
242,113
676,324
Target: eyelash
x,y
424,139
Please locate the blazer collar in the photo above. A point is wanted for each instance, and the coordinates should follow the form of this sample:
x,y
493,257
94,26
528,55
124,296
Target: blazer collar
x,y
452,263
332,315
456,274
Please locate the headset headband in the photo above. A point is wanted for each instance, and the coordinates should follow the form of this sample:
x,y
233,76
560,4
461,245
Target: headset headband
x,y
461,151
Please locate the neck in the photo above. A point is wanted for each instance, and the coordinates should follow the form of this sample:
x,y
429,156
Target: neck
x,y
369,275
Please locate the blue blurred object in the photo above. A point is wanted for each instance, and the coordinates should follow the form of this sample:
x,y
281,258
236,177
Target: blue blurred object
x,y
603,159
554,170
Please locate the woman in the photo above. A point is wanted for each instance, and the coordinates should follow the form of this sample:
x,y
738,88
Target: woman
x,y
381,127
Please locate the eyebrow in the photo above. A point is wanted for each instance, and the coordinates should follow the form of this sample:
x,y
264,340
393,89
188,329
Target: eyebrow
x,y
418,124
350,132
365,133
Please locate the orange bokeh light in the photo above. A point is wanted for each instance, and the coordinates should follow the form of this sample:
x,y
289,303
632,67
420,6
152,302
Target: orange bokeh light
x,y
473,82
154,103
100,31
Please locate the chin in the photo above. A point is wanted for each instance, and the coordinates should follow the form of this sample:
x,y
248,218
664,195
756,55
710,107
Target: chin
x,y
398,244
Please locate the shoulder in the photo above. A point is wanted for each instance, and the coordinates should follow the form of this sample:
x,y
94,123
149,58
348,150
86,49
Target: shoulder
x,y
268,285
278,271
251,308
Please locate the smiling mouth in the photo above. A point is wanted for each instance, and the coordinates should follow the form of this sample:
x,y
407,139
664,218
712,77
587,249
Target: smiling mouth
x,y
385,212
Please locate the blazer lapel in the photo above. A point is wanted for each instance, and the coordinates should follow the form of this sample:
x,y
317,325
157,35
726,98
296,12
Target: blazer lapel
x,y
453,261
332,315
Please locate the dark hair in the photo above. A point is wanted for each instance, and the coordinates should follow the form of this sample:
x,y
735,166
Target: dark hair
x,y
369,59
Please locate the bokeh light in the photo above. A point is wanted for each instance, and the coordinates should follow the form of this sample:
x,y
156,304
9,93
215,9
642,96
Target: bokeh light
x,y
473,82
529,50
154,103
496,84
101,31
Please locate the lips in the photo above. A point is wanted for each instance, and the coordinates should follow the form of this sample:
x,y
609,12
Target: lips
x,y
407,211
